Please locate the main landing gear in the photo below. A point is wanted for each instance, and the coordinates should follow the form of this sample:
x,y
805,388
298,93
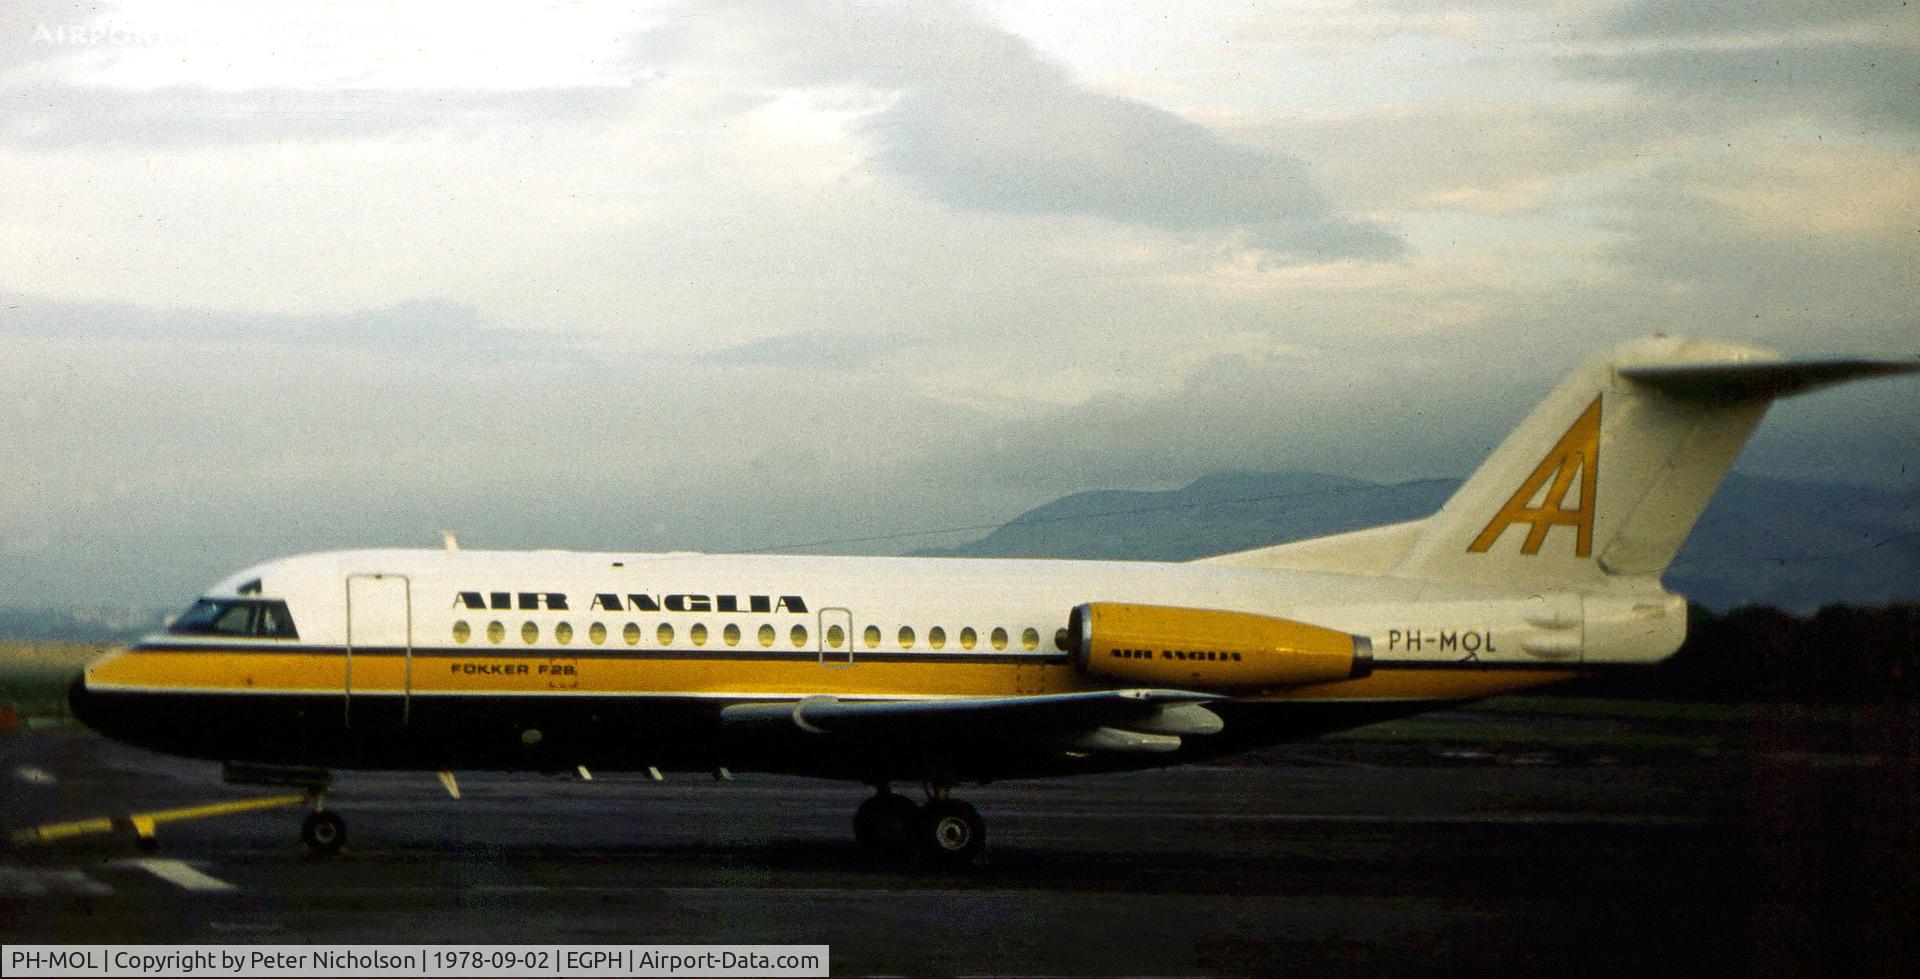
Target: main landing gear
x,y
323,832
945,830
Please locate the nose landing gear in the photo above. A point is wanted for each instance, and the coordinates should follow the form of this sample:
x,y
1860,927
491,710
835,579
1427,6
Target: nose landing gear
x,y
946,831
323,832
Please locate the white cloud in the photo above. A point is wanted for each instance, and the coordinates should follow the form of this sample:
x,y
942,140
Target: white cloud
x,y
764,274
231,45
976,118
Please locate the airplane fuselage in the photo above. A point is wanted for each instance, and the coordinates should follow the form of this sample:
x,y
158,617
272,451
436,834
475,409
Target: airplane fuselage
x,y
551,660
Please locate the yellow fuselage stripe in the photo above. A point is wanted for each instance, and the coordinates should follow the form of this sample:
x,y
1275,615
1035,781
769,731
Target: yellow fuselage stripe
x,y
436,673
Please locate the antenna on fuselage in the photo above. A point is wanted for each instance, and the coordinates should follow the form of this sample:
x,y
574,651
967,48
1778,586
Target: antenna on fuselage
x,y
450,539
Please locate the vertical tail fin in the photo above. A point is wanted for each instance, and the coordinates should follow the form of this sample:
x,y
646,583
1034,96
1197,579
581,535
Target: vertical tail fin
x,y
1607,476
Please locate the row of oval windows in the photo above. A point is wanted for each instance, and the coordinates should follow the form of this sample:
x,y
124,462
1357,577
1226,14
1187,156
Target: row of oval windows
x,y
767,635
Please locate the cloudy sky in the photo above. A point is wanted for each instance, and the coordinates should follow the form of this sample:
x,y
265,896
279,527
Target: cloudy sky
x,y
737,275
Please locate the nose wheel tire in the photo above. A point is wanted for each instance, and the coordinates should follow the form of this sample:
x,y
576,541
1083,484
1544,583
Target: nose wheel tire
x,y
951,832
323,833
885,823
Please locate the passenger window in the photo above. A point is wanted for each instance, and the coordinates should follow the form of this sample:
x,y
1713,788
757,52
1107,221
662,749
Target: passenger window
x,y
631,634
1030,639
871,636
999,638
1060,639
529,633
698,633
461,632
968,638
799,636
496,633
732,634
664,634
597,633
906,637
836,636
563,633
766,637
937,637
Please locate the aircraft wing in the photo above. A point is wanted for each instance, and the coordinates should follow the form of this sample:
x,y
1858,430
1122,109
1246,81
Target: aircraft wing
x,y
1091,721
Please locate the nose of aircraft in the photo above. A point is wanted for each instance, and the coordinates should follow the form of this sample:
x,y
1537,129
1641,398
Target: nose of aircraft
x,y
80,701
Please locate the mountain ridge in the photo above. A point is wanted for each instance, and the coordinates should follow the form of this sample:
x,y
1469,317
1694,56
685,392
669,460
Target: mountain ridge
x,y
1824,542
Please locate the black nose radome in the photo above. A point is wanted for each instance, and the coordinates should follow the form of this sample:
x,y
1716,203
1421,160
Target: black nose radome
x,y
79,700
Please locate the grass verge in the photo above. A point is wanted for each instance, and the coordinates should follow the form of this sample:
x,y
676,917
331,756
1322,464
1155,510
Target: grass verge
x,y
34,676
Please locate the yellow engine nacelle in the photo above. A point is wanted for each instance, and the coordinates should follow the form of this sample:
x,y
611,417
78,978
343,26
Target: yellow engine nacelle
x,y
1209,649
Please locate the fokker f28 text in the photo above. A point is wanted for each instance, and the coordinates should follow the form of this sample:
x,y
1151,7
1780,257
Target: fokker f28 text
x,y
1545,565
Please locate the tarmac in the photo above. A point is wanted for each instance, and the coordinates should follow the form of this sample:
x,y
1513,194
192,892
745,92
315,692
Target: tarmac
x,y
1787,855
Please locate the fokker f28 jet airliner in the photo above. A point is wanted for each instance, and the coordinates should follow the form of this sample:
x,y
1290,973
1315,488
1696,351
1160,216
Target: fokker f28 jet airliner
x,y
1545,565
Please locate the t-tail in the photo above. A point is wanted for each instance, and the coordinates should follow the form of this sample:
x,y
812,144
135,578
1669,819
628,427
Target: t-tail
x,y
1602,482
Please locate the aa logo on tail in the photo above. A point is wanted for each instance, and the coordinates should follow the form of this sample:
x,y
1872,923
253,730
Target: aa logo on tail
x,y
1576,454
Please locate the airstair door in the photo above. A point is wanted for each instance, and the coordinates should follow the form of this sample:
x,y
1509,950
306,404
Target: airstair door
x,y
379,684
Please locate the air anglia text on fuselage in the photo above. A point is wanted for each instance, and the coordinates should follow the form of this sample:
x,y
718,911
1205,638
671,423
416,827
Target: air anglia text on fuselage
x,y
631,602
1221,655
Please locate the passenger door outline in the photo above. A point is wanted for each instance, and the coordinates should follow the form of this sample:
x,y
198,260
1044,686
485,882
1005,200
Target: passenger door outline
x,y
378,631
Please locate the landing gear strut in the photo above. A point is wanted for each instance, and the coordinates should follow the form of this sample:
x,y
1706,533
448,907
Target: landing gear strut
x,y
945,830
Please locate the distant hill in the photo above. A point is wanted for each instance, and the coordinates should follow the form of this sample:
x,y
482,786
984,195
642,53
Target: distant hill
x,y
1761,541
1798,546
91,625
1221,512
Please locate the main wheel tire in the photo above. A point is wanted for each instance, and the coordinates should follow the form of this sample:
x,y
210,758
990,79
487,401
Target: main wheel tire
x,y
951,832
324,833
885,823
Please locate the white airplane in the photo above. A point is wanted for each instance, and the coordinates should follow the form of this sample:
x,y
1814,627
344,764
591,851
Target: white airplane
x,y
1544,566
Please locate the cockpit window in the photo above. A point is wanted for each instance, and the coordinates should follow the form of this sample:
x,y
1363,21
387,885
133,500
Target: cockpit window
x,y
274,621
199,618
237,620
224,617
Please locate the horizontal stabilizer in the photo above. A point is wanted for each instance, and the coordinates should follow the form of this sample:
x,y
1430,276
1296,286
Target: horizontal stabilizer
x,y
1727,383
